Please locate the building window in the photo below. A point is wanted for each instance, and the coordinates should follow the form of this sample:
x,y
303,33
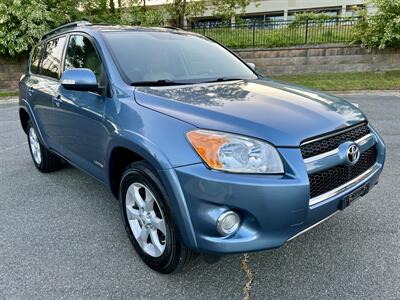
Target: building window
x,y
333,12
262,18
354,10
209,23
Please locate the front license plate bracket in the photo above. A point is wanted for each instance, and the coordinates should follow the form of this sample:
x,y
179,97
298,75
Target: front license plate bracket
x,y
354,196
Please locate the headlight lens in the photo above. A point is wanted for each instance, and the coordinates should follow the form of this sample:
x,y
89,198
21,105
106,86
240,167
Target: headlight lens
x,y
235,153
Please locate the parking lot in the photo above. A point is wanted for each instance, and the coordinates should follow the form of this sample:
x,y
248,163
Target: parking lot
x,y
61,236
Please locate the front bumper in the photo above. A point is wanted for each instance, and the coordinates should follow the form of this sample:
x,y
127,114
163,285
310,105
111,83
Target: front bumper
x,y
273,209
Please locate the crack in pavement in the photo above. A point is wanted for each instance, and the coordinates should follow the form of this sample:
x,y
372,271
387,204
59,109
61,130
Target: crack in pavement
x,y
249,276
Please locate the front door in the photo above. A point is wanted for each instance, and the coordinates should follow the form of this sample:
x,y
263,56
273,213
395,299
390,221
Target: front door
x,y
81,132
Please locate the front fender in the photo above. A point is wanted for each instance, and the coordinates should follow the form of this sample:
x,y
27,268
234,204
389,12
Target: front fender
x,y
140,145
157,159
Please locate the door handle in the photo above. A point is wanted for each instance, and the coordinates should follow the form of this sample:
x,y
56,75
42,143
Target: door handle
x,y
57,100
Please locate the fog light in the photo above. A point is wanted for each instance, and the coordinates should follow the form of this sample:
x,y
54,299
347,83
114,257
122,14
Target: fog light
x,y
228,223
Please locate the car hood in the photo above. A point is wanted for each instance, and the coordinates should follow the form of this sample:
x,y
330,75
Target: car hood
x,y
280,113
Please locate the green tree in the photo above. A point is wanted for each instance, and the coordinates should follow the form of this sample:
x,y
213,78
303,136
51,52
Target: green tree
x,y
178,10
135,13
22,23
382,29
226,9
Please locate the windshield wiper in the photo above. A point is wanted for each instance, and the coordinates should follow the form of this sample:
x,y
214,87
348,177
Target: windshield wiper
x,y
161,82
221,79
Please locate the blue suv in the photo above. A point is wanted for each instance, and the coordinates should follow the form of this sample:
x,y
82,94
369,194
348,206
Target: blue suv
x,y
205,155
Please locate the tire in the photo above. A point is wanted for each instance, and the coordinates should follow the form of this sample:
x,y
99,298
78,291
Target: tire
x,y
44,160
162,252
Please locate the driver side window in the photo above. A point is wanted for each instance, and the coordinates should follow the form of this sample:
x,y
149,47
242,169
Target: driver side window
x,y
82,54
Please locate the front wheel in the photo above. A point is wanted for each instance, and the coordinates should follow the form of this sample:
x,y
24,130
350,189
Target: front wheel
x,y
149,222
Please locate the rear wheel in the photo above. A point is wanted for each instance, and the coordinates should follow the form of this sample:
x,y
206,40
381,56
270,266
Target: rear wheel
x,y
149,222
44,160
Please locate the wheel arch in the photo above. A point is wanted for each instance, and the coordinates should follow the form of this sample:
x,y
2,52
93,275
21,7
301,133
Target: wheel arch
x,y
26,114
123,152
127,148
24,118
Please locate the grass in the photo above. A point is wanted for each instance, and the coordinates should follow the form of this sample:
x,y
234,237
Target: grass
x,y
346,81
8,94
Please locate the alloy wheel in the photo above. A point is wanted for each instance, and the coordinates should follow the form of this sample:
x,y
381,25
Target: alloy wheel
x,y
146,219
35,146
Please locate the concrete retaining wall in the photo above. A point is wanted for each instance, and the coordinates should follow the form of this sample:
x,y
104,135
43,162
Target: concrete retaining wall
x,y
276,61
321,59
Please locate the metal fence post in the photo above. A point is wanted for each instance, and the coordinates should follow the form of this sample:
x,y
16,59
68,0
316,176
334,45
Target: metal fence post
x,y
306,37
254,34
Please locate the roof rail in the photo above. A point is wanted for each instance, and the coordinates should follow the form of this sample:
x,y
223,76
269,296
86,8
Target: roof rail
x,y
172,27
65,27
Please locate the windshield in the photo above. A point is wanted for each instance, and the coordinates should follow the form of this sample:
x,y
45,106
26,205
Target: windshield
x,y
168,57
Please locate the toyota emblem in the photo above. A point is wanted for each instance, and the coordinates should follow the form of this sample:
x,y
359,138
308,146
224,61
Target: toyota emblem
x,y
353,154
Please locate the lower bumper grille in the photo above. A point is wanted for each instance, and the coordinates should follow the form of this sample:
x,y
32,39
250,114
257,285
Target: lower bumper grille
x,y
332,178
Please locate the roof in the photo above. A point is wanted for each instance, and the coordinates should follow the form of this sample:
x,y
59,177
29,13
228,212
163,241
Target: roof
x,y
105,27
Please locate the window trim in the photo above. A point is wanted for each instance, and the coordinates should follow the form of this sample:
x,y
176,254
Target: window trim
x,y
107,88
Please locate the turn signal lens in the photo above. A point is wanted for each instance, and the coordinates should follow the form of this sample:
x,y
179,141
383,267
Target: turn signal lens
x,y
235,153
207,145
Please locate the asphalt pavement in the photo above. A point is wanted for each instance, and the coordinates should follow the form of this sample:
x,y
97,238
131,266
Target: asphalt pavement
x,y
61,236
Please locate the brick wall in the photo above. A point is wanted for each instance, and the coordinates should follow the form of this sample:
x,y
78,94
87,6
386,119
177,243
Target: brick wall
x,y
321,59
10,72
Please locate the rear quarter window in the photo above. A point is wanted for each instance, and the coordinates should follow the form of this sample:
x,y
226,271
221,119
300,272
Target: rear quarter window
x,y
51,62
35,60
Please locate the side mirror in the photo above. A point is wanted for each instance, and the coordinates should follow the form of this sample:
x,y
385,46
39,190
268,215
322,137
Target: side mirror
x,y
79,80
252,66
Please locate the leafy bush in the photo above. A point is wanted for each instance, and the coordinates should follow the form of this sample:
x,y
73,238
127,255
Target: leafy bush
x,y
303,18
382,29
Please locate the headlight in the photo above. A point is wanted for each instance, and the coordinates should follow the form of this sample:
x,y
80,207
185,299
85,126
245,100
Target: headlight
x,y
235,153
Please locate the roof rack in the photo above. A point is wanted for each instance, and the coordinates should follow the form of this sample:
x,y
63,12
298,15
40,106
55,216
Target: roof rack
x,y
65,27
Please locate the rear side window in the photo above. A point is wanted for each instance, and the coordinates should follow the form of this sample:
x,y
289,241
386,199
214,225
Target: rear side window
x,y
82,54
51,62
35,61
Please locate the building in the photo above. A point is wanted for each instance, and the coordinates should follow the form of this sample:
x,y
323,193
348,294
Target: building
x,y
283,9
278,10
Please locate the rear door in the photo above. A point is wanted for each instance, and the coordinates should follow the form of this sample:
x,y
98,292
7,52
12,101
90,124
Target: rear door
x,y
43,84
81,133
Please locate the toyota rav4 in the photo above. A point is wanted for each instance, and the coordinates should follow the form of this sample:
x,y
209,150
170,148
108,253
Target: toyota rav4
x,y
205,155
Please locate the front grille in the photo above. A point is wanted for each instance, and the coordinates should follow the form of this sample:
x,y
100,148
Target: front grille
x,y
331,143
332,178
